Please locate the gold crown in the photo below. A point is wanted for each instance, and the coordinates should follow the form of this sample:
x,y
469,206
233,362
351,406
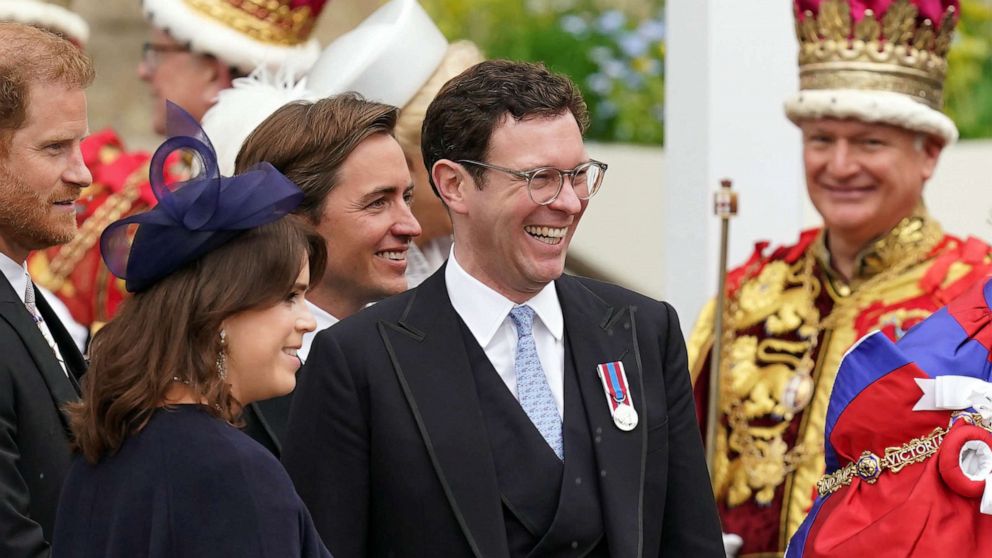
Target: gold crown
x,y
895,54
267,21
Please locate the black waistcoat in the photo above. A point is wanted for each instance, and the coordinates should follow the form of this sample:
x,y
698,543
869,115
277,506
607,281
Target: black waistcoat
x,y
550,508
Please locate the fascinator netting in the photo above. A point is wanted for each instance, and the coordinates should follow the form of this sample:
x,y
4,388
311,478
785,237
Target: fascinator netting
x,y
192,216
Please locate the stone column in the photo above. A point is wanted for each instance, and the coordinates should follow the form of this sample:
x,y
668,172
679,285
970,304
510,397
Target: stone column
x,y
729,66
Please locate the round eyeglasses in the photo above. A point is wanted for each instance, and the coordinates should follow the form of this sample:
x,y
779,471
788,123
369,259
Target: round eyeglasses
x,y
544,184
151,54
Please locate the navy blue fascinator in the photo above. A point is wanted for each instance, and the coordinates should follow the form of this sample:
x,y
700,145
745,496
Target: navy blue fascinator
x,y
194,216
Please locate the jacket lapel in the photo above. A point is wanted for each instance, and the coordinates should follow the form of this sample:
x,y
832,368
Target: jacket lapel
x,y
74,360
600,333
61,388
432,365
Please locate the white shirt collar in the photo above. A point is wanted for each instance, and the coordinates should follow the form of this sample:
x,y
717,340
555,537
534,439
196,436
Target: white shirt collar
x,y
15,274
484,310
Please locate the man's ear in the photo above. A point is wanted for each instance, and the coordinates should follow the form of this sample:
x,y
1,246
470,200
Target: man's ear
x,y
932,148
451,180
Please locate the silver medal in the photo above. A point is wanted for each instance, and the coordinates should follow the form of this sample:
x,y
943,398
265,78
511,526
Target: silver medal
x,y
625,418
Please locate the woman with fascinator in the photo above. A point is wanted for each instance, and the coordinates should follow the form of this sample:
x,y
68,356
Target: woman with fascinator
x,y
218,272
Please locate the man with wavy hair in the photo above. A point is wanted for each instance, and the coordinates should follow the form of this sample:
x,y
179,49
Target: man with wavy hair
x,y
42,122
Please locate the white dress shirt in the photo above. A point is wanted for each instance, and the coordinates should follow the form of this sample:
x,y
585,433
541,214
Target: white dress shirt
x,y
487,315
324,321
17,276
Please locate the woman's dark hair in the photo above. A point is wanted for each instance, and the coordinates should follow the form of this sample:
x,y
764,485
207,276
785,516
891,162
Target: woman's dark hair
x,y
172,330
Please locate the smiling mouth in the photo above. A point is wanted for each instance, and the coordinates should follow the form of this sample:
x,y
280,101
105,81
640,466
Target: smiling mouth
x,y
65,203
293,352
392,255
846,189
547,235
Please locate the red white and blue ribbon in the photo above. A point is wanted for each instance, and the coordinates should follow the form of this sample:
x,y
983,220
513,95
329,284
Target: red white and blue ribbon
x,y
615,384
618,396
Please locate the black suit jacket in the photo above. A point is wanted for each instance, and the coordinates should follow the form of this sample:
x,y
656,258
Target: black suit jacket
x,y
34,433
387,444
265,422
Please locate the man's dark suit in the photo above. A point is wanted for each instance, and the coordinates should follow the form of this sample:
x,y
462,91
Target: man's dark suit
x,y
34,435
265,422
389,449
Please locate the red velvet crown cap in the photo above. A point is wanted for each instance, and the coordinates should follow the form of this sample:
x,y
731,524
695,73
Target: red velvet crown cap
x,y
933,10
877,61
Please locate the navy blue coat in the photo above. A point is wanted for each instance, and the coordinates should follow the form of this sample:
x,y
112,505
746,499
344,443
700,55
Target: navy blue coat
x,y
188,484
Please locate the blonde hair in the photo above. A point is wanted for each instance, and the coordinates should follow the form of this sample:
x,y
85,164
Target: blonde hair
x,y
460,56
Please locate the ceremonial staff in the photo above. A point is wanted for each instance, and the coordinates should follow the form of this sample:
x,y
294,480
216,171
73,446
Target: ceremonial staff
x,y
725,207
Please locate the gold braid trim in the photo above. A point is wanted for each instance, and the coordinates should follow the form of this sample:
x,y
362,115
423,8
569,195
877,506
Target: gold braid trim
x,y
869,467
774,377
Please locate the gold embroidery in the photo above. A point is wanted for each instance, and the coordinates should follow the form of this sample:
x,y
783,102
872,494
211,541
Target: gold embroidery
x,y
871,284
269,21
761,297
767,382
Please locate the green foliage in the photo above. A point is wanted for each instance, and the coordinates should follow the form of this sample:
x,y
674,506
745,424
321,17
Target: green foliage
x,y
614,50
968,90
615,55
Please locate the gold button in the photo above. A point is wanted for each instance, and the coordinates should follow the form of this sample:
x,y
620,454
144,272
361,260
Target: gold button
x,y
843,290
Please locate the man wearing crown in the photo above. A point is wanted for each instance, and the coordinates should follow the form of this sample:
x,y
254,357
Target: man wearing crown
x,y
869,109
196,49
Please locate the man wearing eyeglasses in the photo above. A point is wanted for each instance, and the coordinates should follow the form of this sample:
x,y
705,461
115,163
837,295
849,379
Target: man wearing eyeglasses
x,y
173,72
502,408
197,48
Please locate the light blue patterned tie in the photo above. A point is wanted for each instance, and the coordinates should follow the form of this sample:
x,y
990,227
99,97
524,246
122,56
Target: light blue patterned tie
x,y
533,391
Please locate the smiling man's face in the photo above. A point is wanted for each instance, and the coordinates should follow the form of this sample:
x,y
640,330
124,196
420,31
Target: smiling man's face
x,y
864,178
367,224
42,171
508,242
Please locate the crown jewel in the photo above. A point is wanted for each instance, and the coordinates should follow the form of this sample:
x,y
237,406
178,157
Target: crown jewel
x,y
896,52
282,22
